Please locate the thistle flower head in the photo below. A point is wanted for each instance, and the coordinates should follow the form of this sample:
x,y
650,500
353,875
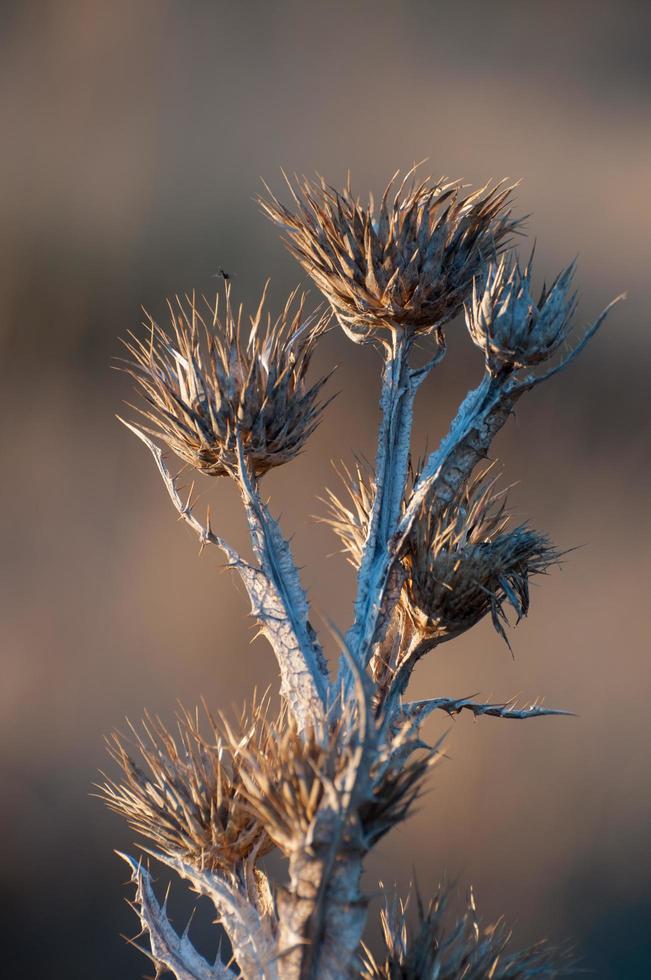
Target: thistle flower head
x,y
349,519
214,378
407,265
287,777
184,795
461,563
465,563
283,774
439,950
508,325
398,784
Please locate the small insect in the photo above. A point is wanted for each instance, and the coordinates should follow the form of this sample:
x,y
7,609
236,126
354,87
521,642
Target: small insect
x,y
222,272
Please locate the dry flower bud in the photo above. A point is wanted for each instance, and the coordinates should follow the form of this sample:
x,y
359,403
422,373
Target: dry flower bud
x,y
449,950
464,564
460,565
407,265
287,777
214,379
282,775
509,326
187,800
349,520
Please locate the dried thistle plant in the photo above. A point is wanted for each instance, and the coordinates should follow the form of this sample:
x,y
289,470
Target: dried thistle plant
x,y
343,761
457,565
465,949
184,794
509,326
213,380
408,264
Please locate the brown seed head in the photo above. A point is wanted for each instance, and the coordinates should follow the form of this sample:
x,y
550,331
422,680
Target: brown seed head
x,y
213,378
349,520
287,777
460,564
449,950
184,795
509,326
407,265
283,774
465,563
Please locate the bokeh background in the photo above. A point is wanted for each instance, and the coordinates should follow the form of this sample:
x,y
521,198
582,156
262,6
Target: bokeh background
x,y
134,135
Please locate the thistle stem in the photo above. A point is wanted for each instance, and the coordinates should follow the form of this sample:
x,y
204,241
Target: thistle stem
x,y
391,463
400,383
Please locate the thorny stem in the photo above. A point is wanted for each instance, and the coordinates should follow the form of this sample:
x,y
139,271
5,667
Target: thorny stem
x,y
417,711
273,551
324,916
400,383
301,669
482,414
168,949
400,680
393,444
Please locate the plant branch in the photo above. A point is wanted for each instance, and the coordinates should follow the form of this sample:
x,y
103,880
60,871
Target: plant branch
x,y
399,386
251,936
274,554
323,914
482,414
298,684
168,949
417,711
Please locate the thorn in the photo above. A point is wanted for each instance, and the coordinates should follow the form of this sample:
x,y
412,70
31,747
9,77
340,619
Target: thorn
x,y
141,949
186,931
133,864
167,895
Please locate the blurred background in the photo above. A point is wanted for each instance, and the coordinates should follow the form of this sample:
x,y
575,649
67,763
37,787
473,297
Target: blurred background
x,y
134,136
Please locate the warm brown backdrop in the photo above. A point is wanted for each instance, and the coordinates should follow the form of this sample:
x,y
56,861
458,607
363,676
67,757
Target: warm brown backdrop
x,y
133,138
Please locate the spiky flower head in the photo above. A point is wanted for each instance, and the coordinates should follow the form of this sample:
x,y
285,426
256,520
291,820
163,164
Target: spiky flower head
x,y
465,563
282,774
508,325
407,265
439,950
183,794
349,519
216,378
287,777
461,562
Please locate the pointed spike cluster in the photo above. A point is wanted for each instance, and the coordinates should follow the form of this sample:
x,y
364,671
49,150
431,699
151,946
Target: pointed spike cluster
x,y
436,948
349,519
460,563
187,800
287,777
407,265
507,323
210,380
465,562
